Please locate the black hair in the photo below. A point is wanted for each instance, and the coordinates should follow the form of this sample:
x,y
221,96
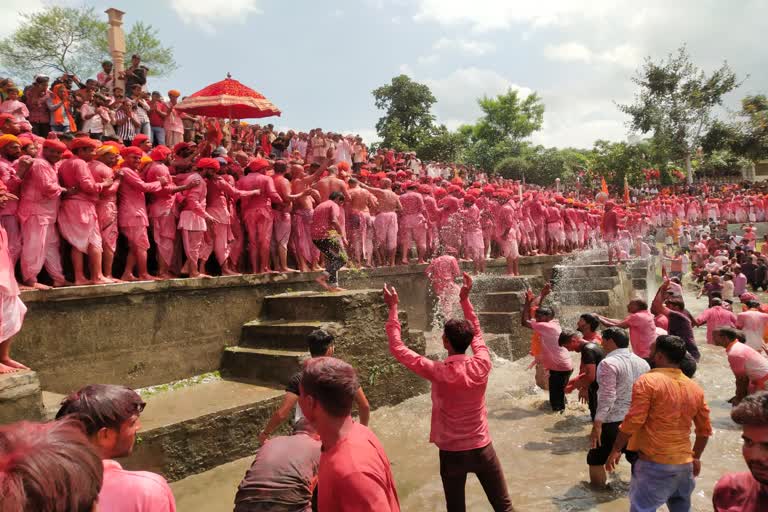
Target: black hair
x,y
335,196
592,320
460,334
673,348
565,336
319,341
617,335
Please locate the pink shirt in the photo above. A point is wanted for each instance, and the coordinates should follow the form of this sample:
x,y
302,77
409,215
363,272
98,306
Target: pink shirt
x,y
256,181
40,192
716,317
553,356
75,172
161,202
739,492
459,416
740,283
134,491
355,475
753,324
322,219
747,362
642,332
132,205
12,183
442,271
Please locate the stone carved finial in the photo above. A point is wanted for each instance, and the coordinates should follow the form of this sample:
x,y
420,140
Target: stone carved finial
x,y
229,75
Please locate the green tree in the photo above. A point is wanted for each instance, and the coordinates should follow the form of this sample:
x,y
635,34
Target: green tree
x,y
514,168
61,40
676,102
617,160
507,117
54,40
407,116
143,39
442,145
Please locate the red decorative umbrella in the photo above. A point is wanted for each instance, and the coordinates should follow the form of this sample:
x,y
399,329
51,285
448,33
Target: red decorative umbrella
x,y
228,99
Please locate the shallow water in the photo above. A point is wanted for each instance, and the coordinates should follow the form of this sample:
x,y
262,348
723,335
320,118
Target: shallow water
x,y
543,454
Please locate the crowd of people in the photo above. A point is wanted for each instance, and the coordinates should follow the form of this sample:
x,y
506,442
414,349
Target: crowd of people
x,y
102,185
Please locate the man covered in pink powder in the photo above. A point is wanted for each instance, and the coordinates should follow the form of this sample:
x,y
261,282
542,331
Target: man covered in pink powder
x,y
413,222
509,225
38,210
386,221
162,211
78,222
257,213
103,169
473,234
442,273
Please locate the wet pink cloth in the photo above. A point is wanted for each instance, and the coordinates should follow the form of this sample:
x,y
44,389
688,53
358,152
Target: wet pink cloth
x,y
716,317
164,235
385,225
459,416
739,492
193,244
472,233
132,202
12,310
747,362
13,231
40,192
442,272
322,220
41,247
134,491
553,356
12,183
642,332
77,219
257,210
192,216
753,323
281,228
106,206
301,237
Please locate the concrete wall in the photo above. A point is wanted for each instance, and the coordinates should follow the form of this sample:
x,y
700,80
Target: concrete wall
x,y
141,334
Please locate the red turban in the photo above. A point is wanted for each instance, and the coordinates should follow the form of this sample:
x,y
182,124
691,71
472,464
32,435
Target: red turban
x,y
425,189
131,151
139,139
55,144
160,153
488,189
26,140
6,117
209,163
83,142
469,198
259,164
440,192
180,146
453,189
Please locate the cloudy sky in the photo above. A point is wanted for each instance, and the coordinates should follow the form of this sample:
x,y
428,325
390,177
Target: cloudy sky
x,y
319,61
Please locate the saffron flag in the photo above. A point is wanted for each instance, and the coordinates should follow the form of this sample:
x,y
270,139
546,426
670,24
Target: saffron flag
x,y
626,191
603,185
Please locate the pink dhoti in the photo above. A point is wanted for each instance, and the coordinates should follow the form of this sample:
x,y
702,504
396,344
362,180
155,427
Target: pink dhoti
x,y
79,225
301,236
137,237
357,231
281,231
473,245
193,229
11,225
258,223
236,244
221,236
509,247
12,312
41,247
386,230
414,228
106,212
164,235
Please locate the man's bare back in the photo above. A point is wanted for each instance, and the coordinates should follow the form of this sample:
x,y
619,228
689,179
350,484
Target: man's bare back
x,y
361,200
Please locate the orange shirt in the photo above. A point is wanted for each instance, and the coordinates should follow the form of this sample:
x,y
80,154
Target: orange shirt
x,y
664,405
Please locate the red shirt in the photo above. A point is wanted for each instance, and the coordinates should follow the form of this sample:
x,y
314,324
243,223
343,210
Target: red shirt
x,y
355,475
739,492
156,119
459,416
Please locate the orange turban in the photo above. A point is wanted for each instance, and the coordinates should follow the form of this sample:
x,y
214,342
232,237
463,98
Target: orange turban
x,y
7,139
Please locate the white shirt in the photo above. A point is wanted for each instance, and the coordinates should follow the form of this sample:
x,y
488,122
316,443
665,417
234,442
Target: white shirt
x,y
616,374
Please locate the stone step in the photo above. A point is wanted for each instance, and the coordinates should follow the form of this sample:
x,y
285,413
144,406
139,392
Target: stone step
x,y
571,272
504,283
302,306
587,283
261,364
499,322
188,430
499,302
282,335
51,404
584,298
20,397
639,284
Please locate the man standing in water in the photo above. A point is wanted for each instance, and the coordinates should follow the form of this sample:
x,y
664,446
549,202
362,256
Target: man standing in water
x,y
616,374
665,403
749,490
459,417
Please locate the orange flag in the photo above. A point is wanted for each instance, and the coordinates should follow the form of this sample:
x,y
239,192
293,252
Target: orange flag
x,y
626,190
603,185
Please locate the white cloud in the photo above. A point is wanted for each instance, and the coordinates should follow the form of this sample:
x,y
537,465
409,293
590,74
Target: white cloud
x,y
465,46
624,55
427,60
338,13
457,92
208,13
9,13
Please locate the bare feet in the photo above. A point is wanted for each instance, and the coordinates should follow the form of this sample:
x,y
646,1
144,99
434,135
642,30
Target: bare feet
x,y
102,280
13,364
82,282
26,288
164,275
229,272
7,369
147,277
290,270
323,281
40,286
333,288
128,278
61,284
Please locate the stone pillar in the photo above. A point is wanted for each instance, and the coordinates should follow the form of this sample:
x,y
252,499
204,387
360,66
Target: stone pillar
x,y
20,397
116,38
